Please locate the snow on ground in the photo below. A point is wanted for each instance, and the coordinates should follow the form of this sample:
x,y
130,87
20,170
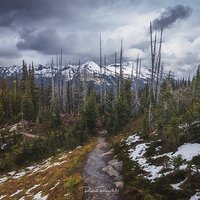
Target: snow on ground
x,y
2,196
19,175
38,196
29,171
3,179
188,151
196,196
29,190
132,139
17,192
55,185
177,185
137,153
12,173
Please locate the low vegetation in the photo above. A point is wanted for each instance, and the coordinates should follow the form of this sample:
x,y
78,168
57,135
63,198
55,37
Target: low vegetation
x,y
56,178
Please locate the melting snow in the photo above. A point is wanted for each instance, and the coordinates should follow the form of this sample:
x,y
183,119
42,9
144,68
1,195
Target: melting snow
x,y
17,192
3,179
12,173
28,191
177,185
132,139
137,154
55,185
38,196
2,196
19,175
196,196
32,169
187,151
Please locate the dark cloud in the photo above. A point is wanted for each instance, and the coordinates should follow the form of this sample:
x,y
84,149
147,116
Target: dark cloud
x,y
17,12
67,24
49,42
171,15
46,41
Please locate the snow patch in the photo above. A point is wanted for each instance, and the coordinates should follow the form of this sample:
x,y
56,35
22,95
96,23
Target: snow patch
x,y
188,151
17,192
2,196
12,173
132,139
19,175
177,185
137,154
196,196
38,196
55,185
3,179
35,186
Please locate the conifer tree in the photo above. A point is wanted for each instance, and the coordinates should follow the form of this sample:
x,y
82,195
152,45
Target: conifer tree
x,y
89,113
27,106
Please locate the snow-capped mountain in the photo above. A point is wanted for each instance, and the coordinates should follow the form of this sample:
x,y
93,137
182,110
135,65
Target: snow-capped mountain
x,y
90,68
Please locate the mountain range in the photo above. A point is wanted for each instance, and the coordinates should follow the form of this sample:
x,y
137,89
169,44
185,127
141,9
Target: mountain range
x,y
108,75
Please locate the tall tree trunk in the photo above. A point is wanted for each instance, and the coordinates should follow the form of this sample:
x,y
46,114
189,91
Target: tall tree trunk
x,y
120,74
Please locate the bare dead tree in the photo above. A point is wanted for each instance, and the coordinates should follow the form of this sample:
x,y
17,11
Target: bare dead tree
x,y
101,90
116,82
84,86
152,60
105,59
52,81
120,65
140,67
78,88
158,81
136,87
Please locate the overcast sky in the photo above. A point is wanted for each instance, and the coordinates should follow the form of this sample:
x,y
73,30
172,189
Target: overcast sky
x,y
36,30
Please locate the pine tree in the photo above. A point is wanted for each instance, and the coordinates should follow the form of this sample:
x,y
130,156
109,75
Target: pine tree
x,y
2,114
5,99
27,107
33,88
16,97
90,114
55,120
24,77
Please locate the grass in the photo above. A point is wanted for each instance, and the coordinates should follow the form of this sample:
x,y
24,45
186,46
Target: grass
x,y
62,181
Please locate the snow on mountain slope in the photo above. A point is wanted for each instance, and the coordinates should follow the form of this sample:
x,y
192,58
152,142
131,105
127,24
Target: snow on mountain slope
x,y
92,70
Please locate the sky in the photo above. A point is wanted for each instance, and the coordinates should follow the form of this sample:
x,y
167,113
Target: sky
x,y
37,30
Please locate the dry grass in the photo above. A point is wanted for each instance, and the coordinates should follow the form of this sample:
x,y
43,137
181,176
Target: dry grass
x,y
62,181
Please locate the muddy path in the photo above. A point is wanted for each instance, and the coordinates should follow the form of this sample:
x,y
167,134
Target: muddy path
x,y
98,184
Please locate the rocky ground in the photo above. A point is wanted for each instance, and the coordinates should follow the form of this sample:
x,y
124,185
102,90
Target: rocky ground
x,y
101,173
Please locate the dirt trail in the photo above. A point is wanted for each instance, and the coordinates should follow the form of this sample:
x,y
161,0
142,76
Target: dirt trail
x,y
99,185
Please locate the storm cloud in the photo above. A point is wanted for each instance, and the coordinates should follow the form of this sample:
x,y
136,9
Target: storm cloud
x,y
171,15
14,13
36,30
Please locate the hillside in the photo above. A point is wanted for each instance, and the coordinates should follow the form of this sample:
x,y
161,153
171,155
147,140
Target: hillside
x,y
58,177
